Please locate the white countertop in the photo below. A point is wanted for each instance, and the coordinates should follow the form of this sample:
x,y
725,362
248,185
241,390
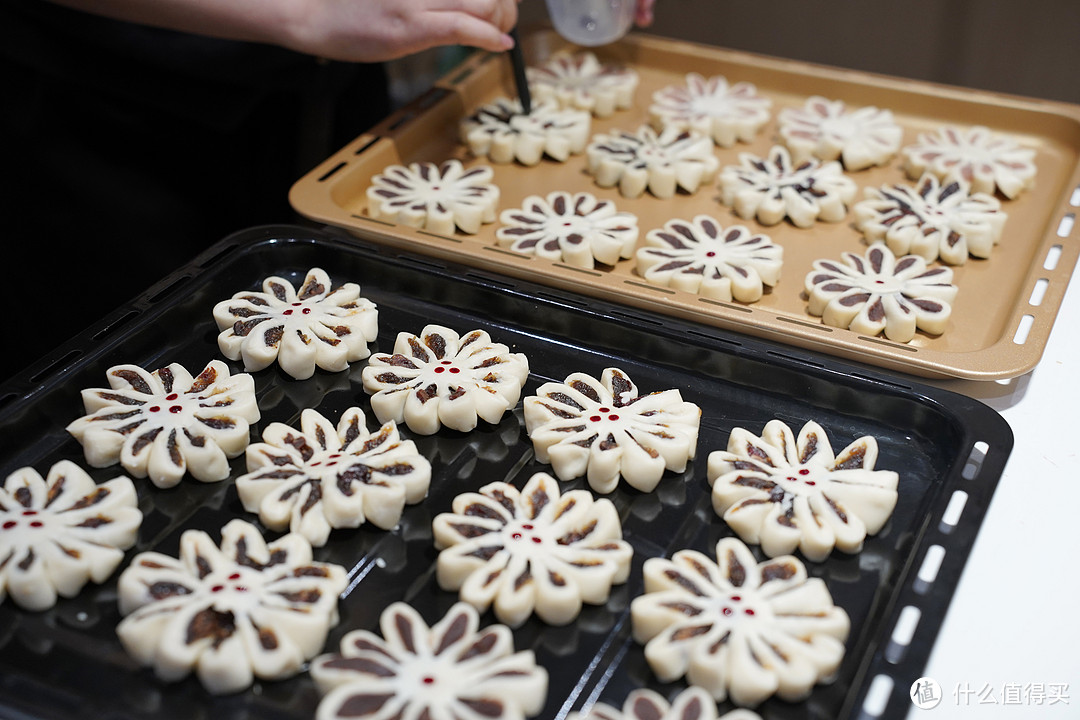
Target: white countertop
x,y
1011,637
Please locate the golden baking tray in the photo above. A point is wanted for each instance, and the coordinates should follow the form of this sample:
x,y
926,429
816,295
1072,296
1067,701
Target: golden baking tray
x,y
1006,304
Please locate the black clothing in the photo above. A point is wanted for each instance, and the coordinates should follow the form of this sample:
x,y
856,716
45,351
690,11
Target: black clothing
x,y
129,149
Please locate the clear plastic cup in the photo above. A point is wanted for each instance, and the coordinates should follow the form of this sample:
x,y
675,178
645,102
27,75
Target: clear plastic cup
x,y
591,22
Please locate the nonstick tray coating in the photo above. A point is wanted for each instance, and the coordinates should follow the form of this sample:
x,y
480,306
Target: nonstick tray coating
x,y
67,662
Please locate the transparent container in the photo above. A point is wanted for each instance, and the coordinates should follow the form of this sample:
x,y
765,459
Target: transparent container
x,y
591,22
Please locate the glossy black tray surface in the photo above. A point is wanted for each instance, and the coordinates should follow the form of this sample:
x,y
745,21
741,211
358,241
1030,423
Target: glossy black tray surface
x,y
949,450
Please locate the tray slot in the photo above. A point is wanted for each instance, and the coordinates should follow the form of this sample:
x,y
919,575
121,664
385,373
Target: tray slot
x,y
953,511
1066,225
877,697
1038,292
902,634
332,171
728,306
928,571
974,462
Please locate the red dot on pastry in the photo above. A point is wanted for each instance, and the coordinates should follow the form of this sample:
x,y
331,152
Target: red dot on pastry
x,y
175,409
306,310
735,598
154,408
454,370
537,540
428,680
171,396
217,588
727,611
36,524
287,312
595,418
29,512
710,254
604,409
439,369
748,611
612,418
811,482
804,471
10,524
234,576
516,536
527,527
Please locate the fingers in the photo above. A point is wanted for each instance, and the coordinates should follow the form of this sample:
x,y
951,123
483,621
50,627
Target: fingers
x,y
643,15
463,29
502,14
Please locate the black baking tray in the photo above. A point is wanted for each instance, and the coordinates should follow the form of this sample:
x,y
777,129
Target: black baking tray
x,y
66,661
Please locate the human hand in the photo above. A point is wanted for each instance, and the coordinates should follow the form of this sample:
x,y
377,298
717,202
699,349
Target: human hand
x,y
643,14
377,30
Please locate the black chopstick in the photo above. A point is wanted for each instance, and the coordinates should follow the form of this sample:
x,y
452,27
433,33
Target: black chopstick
x,y
517,60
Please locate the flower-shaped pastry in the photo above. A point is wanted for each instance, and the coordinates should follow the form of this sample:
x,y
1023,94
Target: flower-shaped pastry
x,y
60,532
660,163
880,292
165,423
699,256
605,430
982,159
693,703
436,198
450,670
579,80
773,188
242,611
503,133
784,493
577,229
825,129
532,550
931,220
320,477
736,627
437,378
726,113
301,329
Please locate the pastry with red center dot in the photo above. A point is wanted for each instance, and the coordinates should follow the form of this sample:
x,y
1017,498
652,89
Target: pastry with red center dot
x,y
786,493
606,429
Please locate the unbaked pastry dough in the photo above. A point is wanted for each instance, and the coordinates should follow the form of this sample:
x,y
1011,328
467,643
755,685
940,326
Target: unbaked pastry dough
x,y
773,188
579,80
230,614
726,113
439,378
879,292
738,628
167,423
60,532
320,477
577,229
783,492
437,198
827,130
315,325
693,703
932,220
699,256
532,550
501,132
984,160
604,429
660,163
453,669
